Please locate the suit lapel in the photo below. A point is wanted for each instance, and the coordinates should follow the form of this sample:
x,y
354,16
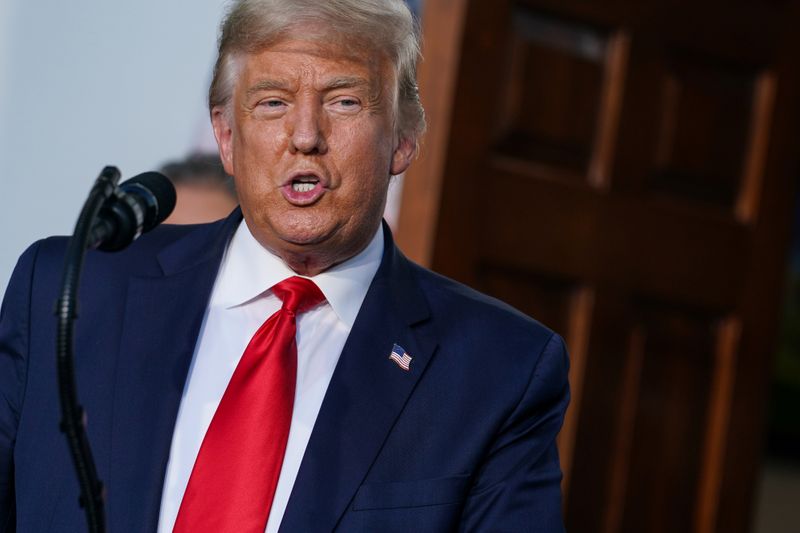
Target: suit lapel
x,y
162,320
366,395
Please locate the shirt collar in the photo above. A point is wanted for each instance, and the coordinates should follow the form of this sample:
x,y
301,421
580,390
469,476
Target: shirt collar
x,y
249,270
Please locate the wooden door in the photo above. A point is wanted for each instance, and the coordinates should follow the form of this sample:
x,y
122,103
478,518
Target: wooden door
x,y
623,171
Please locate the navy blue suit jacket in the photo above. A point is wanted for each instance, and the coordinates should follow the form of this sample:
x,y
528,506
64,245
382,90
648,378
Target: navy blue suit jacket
x,y
464,441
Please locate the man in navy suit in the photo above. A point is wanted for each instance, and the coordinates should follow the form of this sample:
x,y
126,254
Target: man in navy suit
x,y
418,403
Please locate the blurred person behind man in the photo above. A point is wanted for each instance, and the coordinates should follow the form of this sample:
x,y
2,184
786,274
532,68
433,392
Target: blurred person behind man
x,y
205,192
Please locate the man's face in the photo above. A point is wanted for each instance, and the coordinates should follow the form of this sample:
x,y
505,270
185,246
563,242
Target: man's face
x,y
310,140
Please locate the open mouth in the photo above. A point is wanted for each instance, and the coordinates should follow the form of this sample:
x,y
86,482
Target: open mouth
x,y
303,189
304,183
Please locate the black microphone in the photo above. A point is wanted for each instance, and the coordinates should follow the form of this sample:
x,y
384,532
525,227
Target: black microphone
x,y
137,205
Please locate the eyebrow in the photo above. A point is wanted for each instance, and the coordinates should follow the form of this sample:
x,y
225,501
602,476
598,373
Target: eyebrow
x,y
345,82
268,85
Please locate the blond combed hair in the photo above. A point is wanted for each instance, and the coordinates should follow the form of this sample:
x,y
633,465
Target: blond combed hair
x,y
251,25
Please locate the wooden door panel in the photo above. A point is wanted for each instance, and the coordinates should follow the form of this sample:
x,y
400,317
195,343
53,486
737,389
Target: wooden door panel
x,y
623,172
551,122
664,248
694,127
673,349
702,124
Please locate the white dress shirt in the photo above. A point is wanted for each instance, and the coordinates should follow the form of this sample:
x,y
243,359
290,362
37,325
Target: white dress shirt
x,y
240,302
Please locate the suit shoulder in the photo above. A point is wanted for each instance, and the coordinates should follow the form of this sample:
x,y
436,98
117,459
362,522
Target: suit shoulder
x,y
477,331
161,236
138,257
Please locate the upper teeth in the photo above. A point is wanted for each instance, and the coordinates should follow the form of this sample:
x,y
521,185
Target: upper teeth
x,y
302,186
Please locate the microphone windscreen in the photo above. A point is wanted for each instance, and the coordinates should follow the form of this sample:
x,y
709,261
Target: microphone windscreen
x,y
158,192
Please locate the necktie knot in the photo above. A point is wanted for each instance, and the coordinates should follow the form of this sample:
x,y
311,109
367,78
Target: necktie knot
x,y
298,294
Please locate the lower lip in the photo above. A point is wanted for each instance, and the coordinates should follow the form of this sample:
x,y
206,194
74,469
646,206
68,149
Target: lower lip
x,y
302,198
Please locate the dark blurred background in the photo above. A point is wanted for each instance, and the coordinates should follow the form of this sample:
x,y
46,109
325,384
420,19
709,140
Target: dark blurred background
x,y
626,172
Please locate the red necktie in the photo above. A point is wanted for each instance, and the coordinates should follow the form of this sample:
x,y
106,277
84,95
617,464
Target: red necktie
x,y
234,477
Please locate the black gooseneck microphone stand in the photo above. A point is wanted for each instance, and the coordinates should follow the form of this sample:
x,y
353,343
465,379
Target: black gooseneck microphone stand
x,y
73,418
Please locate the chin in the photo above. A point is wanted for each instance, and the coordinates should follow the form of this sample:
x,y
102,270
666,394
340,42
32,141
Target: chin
x,y
299,227
303,240
308,235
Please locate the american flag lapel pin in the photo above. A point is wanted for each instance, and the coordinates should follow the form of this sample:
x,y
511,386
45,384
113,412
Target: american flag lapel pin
x,y
400,357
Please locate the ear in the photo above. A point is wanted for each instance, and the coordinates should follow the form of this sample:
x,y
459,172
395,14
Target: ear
x,y
224,135
403,155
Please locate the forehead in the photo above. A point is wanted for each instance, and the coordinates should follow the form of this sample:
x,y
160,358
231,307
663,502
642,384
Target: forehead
x,y
307,52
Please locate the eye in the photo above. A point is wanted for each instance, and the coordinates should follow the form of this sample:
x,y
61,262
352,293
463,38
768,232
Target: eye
x,y
346,104
270,107
272,103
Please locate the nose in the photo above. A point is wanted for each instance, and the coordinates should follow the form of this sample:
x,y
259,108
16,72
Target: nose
x,y
306,133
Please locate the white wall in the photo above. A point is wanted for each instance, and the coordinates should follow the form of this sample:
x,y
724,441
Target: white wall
x,y
88,83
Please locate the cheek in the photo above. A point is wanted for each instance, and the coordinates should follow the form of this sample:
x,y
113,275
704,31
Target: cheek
x,y
365,165
367,146
256,151
368,196
259,137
